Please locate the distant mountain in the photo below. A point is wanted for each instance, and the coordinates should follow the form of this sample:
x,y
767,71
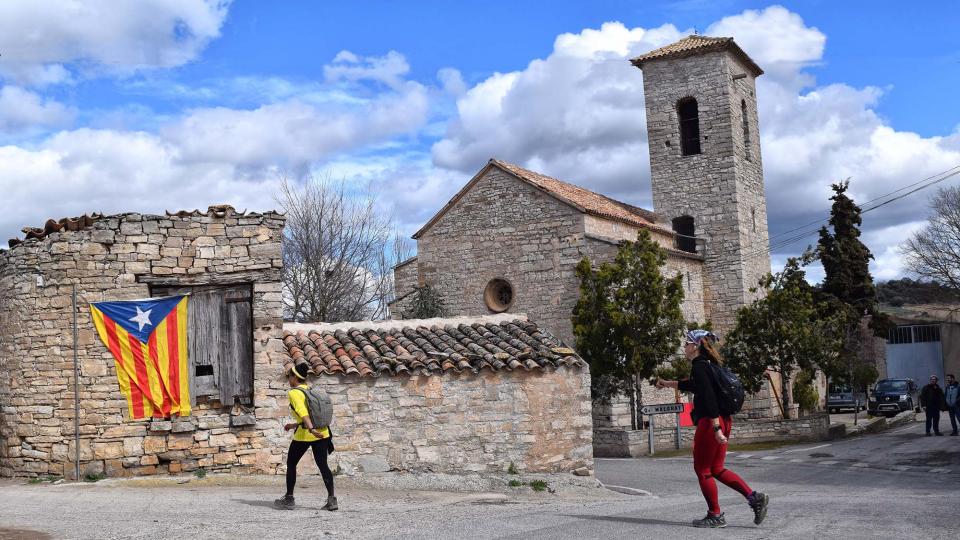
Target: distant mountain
x,y
908,292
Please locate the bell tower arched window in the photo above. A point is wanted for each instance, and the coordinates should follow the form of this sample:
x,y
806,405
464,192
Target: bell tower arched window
x,y
686,234
689,118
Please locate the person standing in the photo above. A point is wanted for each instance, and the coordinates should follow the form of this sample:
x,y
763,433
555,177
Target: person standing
x,y
952,397
933,401
712,432
306,437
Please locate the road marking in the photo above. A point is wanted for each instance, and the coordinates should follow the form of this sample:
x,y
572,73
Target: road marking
x,y
745,456
797,460
829,462
805,449
902,468
939,470
770,458
861,465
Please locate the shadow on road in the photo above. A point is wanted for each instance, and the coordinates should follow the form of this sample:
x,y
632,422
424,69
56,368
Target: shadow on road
x,y
646,521
269,504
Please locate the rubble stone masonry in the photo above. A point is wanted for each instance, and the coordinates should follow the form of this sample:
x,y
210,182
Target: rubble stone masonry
x,y
117,258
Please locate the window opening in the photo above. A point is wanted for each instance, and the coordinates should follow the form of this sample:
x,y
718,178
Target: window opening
x,y
498,295
746,129
689,118
686,234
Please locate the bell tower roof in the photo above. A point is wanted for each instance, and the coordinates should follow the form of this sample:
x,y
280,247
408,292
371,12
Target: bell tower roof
x,y
694,45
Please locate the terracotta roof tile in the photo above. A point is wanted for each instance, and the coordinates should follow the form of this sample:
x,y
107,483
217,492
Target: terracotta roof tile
x,y
429,347
697,44
592,203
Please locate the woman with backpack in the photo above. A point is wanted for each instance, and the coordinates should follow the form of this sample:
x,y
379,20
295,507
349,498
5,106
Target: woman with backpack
x,y
713,430
306,437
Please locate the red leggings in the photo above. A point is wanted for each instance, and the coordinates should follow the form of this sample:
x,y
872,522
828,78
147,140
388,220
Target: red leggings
x,y
708,456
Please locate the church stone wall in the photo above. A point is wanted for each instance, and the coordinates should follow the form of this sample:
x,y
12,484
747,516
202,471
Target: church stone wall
x,y
504,228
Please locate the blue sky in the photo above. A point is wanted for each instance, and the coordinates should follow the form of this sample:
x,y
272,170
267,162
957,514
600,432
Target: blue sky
x,y
189,103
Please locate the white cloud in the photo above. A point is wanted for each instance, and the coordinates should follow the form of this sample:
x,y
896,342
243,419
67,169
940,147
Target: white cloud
x,y
201,157
102,170
294,133
42,41
389,69
578,114
24,111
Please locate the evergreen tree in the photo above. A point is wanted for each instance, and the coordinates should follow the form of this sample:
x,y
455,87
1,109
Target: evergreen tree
x,y
848,292
627,320
783,332
425,304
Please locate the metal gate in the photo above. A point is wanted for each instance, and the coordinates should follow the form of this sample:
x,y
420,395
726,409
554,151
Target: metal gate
x,y
915,352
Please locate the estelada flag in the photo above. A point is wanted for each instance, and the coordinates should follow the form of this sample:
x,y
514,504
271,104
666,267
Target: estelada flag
x,y
148,339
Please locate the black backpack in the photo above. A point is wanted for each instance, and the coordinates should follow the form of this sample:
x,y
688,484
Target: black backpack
x,y
729,390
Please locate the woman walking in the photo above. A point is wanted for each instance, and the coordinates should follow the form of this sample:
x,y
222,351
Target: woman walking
x,y
713,430
306,437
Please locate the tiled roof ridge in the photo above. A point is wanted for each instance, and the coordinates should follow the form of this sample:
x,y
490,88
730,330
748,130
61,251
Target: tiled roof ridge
x,y
449,345
87,220
695,44
394,324
591,202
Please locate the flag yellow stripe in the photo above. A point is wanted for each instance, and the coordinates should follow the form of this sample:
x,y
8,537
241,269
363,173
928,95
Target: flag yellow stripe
x,y
122,378
153,377
182,313
130,364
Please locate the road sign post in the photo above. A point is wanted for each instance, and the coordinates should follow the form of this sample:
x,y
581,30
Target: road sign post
x,y
662,408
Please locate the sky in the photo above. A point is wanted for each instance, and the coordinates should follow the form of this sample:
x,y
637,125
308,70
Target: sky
x,y
181,104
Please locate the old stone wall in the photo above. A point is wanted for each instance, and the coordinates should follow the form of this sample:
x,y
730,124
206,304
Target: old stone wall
x,y
611,442
504,228
483,422
405,278
118,258
721,188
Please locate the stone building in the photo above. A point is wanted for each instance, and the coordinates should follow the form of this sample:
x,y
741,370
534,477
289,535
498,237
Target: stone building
x,y
511,238
446,396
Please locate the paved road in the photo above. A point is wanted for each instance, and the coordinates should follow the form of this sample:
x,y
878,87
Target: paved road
x,y
894,485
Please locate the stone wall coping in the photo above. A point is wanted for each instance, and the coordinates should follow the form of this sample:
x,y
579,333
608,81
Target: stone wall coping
x,y
403,323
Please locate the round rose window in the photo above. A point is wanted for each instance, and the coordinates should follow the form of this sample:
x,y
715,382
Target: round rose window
x,y
498,295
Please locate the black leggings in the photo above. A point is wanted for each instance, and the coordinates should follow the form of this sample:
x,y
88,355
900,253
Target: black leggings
x,y
320,450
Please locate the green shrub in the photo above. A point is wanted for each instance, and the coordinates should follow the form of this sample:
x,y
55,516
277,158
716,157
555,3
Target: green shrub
x,y
804,393
512,469
539,485
200,473
515,483
94,477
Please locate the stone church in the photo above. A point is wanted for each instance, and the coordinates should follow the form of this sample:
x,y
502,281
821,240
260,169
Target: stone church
x,y
509,241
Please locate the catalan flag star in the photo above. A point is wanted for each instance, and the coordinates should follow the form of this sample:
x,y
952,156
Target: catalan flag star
x,y
142,318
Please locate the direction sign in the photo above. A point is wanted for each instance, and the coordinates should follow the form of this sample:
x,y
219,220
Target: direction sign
x,y
662,408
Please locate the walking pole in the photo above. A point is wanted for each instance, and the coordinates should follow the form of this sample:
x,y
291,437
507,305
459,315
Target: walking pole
x,y
76,391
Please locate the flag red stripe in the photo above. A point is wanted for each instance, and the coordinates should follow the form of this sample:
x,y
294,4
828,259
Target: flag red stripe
x,y
136,396
141,369
173,354
155,360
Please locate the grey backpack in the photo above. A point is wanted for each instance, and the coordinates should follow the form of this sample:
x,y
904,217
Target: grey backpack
x,y
319,406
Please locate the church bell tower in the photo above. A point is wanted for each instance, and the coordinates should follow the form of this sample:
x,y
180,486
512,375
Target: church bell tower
x,y
706,170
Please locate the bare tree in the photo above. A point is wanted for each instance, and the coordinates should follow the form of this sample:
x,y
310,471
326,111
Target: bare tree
x,y
934,251
338,253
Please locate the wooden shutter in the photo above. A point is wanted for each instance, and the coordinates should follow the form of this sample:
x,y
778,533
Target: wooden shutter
x,y
220,341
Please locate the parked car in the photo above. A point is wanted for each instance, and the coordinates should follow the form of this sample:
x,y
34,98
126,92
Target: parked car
x,y
893,396
844,396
